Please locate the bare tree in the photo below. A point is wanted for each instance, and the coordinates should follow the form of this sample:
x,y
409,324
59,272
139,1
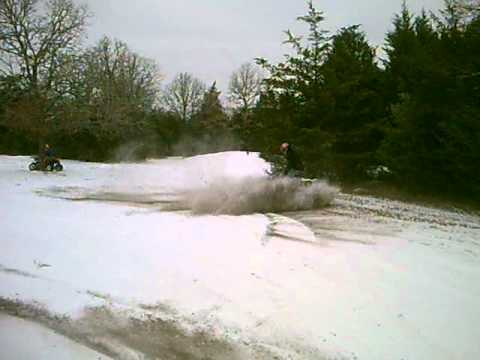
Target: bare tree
x,y
116,78
35,39
110,85
184,96
244,86
35,35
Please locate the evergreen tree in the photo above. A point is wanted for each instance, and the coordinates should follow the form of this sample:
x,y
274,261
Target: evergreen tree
x,y
292,103
326,99
400,49
434,141
211,114
357,110
210,123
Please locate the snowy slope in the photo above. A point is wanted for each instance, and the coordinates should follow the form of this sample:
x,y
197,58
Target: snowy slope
x,y
42,343
111,255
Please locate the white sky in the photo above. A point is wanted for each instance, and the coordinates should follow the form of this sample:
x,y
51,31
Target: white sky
x,y
212,38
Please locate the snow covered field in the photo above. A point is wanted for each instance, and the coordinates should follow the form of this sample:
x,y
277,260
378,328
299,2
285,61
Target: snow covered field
x,y
149,260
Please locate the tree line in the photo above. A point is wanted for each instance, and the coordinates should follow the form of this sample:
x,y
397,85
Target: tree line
x,y
89,101
410,115
409,111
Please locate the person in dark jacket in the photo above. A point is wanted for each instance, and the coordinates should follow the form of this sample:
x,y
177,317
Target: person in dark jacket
x,y
48,156
294,163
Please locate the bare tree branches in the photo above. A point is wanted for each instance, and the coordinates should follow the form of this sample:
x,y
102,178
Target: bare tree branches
x,y
183,96
244,86
111,83
35,35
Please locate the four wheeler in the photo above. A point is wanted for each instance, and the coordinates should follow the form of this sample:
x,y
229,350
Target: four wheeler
x,y
52,164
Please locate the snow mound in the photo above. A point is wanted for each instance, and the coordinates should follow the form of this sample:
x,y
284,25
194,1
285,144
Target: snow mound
x,y
257,195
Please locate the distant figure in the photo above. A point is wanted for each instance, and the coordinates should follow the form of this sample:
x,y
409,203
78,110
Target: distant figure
x,y
48,156
294,163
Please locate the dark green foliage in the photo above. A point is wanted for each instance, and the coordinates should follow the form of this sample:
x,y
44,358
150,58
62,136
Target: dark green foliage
x,y
433,143
210,129
327,100
358,108
418,114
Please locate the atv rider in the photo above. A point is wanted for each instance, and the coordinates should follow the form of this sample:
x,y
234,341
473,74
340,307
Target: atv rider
x,y
48,157
294,163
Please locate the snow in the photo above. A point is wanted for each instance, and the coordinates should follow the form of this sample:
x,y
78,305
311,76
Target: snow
x,y
42,343
365,278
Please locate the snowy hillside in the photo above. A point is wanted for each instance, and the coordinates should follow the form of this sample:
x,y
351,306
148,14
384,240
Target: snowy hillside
x,y
206,257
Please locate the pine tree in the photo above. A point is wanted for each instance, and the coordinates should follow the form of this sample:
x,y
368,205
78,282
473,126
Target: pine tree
x,y
434,141
357,110
210,122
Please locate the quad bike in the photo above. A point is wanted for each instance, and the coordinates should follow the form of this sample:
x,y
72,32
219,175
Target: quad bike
x,y
277,169
52,165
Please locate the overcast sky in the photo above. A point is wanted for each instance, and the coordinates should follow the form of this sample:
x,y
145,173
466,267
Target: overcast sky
x,y
212,38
